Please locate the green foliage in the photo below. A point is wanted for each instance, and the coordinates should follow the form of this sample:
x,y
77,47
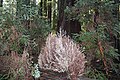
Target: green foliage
x,y
87,38
99,23
25,25
21,27
97,75
27,12
4,77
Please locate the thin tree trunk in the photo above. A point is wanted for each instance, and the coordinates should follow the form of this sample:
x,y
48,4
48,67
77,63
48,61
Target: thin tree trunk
x,y
61,7
40,8
50,11
54,14
45,8
116,15
1,3
96,14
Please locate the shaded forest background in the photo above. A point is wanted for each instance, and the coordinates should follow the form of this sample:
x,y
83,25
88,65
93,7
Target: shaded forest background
x,y
93,24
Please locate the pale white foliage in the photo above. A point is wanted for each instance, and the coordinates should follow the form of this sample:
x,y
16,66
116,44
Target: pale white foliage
x,y
61,54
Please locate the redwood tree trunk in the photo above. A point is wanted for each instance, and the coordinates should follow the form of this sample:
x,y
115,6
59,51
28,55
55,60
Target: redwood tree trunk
x,y
50,11
116,15
70,26
40,8
1,3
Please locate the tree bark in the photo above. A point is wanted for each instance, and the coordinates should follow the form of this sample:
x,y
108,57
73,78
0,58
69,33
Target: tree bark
x,y
117,38
1,3
40,9
70,26
50,11
45,7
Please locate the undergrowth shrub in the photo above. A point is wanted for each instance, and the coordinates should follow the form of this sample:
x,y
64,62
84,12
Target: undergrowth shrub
x,y
20,66
16,66
17,31
25,26
61,54
20,26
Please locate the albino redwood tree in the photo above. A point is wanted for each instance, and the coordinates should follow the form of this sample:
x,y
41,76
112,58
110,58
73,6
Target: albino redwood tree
x,y
61,54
